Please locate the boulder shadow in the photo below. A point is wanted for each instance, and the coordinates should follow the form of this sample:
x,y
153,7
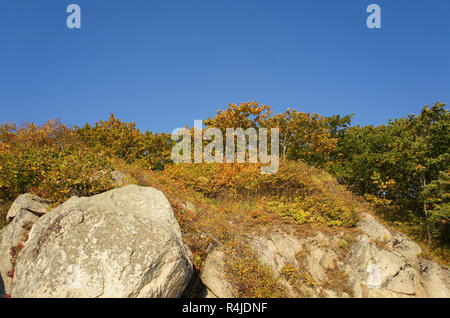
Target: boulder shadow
x,y
2,287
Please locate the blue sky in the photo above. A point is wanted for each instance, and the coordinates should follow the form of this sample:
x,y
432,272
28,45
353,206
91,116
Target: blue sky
x,y
165,63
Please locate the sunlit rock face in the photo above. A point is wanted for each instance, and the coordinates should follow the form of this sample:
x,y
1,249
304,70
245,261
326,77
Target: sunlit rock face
x,y
122,243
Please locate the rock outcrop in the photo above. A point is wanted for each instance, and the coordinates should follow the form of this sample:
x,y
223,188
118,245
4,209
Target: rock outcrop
x,y
312,257
434,279
122,243
127,243
278,250
376,262
29,202
392,261
213,276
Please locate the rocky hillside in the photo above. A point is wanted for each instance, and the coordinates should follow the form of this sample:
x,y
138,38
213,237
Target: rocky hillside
x,y
128,242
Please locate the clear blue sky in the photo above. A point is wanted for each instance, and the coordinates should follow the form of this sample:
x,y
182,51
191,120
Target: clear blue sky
x,y
165,63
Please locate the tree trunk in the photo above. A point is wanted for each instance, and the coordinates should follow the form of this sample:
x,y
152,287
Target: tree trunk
x,y
426,219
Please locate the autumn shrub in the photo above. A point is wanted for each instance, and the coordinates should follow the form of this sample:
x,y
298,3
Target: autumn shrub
x,y
216,180
80,172
21,168
122,140
295,209
27,152
316,209
50,161
297,190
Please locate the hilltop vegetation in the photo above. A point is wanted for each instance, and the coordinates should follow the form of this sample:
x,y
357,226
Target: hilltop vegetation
x,y
401,168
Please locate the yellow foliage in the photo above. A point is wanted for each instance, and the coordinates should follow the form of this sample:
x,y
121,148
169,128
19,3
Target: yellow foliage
x,y
296,191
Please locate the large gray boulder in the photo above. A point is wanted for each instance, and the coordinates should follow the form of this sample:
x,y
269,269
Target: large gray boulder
x,y
29,202
122,243
13,235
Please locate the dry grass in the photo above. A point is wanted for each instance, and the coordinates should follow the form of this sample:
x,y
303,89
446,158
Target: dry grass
x,y
248,274
338,282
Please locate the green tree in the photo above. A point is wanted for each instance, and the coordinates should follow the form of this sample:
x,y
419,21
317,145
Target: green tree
x,y
392,164
436,196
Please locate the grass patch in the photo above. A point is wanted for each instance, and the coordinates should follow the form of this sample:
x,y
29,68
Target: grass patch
x,y
252,278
